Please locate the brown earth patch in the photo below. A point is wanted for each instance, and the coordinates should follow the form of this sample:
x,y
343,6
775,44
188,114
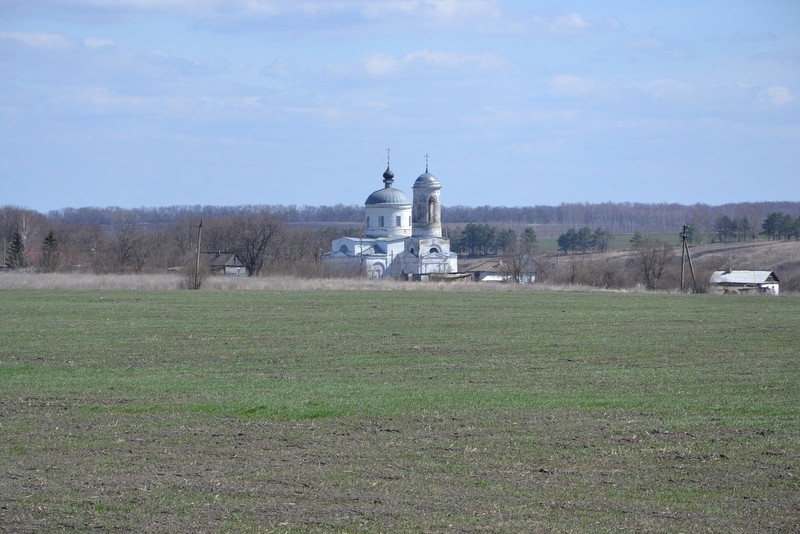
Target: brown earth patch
x,y
498,472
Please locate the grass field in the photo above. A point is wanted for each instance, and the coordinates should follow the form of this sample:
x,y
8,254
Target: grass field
x,y
398,411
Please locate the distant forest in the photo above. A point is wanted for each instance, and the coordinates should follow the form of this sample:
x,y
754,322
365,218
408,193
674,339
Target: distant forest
x,y
292,240
548,221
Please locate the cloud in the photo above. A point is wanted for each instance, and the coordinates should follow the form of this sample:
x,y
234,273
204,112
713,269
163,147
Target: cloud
x,y
570,85
777,95
382,17
36,39
664,88
653,45
487,16
453,59
571,22
383,64
102,99
439,11
92,42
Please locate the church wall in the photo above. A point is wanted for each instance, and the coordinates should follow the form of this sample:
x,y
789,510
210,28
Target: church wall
x,y
389,213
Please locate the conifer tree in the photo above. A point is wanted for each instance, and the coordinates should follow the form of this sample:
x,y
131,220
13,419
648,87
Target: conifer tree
x,y
15,257
50,255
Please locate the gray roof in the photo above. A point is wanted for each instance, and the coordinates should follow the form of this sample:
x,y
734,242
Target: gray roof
x,y
222,259
387,195
743,277
426,179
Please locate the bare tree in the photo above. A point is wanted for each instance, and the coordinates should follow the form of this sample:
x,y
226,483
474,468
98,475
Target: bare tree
x,y
79,243
21,221
298,251
251,234
651,257
181,241
131,246
574,268
517,257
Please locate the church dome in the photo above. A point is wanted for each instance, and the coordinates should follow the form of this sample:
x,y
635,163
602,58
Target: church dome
x,y
387,195
426,179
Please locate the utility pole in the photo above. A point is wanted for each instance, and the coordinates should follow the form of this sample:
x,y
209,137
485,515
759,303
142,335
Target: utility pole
x,y
685,255
197,263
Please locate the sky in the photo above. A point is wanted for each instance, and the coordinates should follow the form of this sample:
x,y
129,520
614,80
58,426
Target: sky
x,y
150,103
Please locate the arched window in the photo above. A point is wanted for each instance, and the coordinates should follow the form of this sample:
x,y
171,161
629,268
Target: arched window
x,y
344,249
431,209
434,250
412,250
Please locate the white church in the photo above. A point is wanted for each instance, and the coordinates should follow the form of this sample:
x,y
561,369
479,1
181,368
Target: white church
x,y
400,238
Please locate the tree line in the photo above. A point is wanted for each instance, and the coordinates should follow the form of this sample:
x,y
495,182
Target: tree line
x,y
549,221
486,240
125,243
144,240
781,226
584,239
616,217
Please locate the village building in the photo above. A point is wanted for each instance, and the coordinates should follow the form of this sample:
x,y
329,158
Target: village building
x,y
401,238
746,281
496,270
223,263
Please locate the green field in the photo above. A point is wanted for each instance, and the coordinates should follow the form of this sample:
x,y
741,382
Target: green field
x,y
387,411
616,242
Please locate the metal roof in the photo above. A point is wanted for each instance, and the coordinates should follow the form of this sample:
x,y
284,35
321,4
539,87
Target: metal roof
x,y
387,195
426,179
743,277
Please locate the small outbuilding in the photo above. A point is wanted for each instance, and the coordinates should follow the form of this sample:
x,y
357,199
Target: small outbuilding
x,y
746,281
224,263
498,271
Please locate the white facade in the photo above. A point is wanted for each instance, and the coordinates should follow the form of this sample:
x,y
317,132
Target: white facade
x,y
400,238
427,209
763,281
388,220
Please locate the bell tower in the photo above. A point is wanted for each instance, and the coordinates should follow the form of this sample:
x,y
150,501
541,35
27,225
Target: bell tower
x,y
426,213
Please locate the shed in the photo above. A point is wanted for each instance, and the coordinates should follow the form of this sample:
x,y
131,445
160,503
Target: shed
x,y
224,263
498,271
758,281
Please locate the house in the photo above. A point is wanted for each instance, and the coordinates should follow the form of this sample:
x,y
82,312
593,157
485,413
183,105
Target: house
x,y
498,271
746,281
223,263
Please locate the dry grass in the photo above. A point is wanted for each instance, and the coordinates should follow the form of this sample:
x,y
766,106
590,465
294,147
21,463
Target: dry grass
x,y
162,282
781,256
26,280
